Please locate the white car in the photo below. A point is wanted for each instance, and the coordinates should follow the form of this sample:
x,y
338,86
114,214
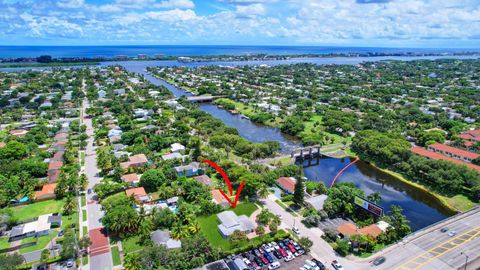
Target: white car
x,y
274,265
311,265
289,258
336,265
452,233
295,230
246,261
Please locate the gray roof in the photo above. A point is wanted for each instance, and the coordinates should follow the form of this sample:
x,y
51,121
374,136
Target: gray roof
x,y
317,201
160,237
55,219
230,223
17,230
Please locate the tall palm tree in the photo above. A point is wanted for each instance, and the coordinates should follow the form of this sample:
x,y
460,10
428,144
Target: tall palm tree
x,y
262,191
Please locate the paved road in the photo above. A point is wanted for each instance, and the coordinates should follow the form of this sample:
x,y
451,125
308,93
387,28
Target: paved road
x,y
435,250
100,254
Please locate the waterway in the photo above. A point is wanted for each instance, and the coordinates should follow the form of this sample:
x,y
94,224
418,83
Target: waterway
x,y
421,208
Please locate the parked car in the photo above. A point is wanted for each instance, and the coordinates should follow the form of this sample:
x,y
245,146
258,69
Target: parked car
x,y
379,261
70,263
258,261
289,258
268,256
336,265
311,265
277,254
264,260
295,230
61,233
274,265
444,229
319,264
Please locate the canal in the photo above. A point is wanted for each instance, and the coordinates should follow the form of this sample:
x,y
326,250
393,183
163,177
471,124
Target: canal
x,y
421,208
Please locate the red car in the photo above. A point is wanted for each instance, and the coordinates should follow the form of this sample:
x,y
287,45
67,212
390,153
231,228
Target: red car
x,y
282,251
264,260
291,248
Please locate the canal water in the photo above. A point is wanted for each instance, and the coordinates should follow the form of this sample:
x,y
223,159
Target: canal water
x,y
421,208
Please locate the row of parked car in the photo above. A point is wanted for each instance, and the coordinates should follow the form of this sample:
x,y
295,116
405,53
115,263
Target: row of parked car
x,y
269,255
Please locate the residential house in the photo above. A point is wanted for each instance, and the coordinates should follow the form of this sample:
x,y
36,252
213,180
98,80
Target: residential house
x,y
453,152
38,227
189,170
204,179
139,194
47,192
230,222
317,202
132,179
287,184
218,198
134,161
177,148
162,237
171,156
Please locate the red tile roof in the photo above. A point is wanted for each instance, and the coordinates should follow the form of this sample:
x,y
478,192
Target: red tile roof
x,y
139,159
349,229
218,197
453,150
132,177
47,190
437,156
140,191
287,183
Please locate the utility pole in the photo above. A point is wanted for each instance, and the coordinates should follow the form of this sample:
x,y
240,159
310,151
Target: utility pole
x,y
466,259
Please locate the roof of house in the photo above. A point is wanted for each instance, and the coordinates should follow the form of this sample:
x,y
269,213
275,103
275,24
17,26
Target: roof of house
x,y
230,222
372,230
53,175
453,150
172,156
139,191
47,189
317,201
437,156
348,229
160,237
204,179
192,166
132,177
287,183
138,159
218,197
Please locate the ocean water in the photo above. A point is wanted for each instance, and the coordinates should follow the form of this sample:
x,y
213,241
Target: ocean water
x,y
197,50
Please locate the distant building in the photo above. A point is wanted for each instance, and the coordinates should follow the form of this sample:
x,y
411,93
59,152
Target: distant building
x,y
132,179
317,201
139,194
171,156
177,148
204,179
453,152
134,161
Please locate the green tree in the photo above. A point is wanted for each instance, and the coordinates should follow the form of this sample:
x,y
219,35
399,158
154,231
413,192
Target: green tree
x,y
152,179
306,243
10,261
45,255
299,192
132,261
260,230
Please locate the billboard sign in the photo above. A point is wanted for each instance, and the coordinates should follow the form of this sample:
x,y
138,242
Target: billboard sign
x,y
369,206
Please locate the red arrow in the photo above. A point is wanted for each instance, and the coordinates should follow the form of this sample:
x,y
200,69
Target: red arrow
x,y
227,181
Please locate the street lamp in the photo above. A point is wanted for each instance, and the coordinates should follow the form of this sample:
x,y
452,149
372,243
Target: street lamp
x,y
466,259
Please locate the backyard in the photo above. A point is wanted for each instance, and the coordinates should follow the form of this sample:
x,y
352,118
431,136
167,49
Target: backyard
x,y
37,209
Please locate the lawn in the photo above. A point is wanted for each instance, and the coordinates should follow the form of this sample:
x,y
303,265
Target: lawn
x,y
460,202
84,215
42,242
37,209
208,225
245,209
85,260
309,125
84,230
83,199
4,243
116,256
131,244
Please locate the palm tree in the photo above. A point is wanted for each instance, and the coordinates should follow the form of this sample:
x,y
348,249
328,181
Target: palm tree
x,y
375,197
70,205
194,227
263,191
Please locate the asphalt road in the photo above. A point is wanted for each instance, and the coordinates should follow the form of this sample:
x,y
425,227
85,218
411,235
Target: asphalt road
x,y
432,249
98,260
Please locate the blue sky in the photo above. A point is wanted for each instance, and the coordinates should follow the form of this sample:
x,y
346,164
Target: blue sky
x,y
389,23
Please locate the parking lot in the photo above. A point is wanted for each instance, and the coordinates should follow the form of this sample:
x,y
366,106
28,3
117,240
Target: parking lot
x,y
333,223
283,254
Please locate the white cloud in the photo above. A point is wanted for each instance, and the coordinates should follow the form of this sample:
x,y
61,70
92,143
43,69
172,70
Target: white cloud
x,y
71,3
251,10
184,4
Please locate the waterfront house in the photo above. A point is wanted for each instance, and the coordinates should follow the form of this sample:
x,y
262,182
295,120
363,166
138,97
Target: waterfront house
x,y
287,184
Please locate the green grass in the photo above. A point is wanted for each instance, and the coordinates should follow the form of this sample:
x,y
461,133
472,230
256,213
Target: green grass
x,y
83,199
84,230
4,242
460,202
376,248
42,242
37,209
246,208
67,222
116,256
131,244
82,158
309,126
85,260
84,215
208,226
